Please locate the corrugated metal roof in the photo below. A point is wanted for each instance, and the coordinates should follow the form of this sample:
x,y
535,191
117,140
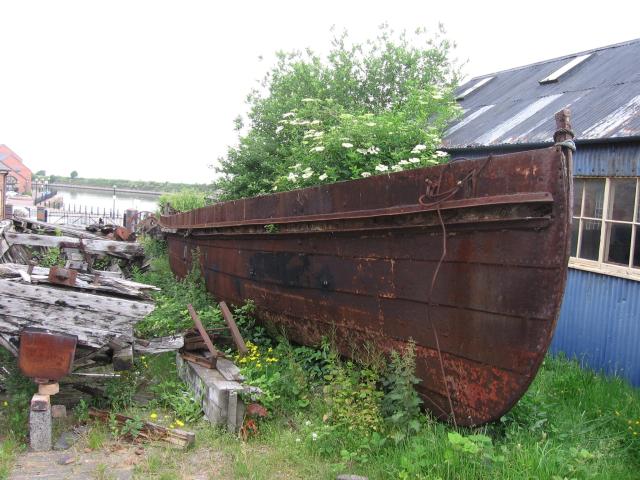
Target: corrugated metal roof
x,y
603,93
599,323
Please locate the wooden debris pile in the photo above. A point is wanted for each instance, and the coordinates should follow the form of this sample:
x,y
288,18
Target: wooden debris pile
x,y
84,294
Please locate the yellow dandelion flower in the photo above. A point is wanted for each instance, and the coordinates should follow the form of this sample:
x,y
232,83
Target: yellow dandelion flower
x,y
180,423
153,415
5,404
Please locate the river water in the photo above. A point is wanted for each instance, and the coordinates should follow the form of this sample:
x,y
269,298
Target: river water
x,y
103,200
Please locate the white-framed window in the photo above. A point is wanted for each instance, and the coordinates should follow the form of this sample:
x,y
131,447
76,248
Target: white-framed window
x,y
606,226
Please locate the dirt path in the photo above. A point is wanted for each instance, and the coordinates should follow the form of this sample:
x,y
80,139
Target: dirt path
x,y
74,464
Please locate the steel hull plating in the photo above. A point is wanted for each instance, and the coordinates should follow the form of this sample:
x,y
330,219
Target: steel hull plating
x,y
356,261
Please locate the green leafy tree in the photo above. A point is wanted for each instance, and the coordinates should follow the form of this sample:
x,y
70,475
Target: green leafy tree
x,y
41,173
366,108
73,174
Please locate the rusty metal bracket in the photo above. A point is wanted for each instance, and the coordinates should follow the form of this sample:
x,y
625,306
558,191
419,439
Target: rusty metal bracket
x,y
63,276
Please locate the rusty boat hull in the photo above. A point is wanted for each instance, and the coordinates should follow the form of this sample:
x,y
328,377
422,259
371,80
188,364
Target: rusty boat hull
x,y
362,262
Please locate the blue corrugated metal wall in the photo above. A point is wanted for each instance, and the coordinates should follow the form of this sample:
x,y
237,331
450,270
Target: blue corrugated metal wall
x,y
607,160
600,323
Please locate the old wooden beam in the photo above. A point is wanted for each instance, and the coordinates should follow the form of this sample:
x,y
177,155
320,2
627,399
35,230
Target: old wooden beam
x,y
109,247
149,430
85,281
28,224
95,319
159,345
233,328
203,332
123,358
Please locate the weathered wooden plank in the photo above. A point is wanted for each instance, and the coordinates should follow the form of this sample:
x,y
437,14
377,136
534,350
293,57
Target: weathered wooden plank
x,y
64,297
53,228
4,245
95,319
159,345
149,430
88,334
233,328
85,281
109,247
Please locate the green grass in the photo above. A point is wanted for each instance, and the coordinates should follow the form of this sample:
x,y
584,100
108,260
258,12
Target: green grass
x,y
572,423
9,447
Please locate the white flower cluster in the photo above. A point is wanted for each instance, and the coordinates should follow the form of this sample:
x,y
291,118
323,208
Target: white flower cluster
x,y
369,151
313,133
419,148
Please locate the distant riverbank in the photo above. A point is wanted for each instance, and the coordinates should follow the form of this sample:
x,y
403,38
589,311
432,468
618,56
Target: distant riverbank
x,y
127,186
67,186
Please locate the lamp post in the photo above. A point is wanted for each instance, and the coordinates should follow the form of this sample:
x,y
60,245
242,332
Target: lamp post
x,y
113,211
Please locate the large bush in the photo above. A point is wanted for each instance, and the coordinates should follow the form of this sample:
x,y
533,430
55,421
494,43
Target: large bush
x,y
365,109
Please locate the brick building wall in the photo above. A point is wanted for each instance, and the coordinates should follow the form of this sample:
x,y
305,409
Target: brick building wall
x,y
17,170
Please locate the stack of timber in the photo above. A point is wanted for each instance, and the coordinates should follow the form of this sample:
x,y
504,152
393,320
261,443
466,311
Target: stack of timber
x,y
101,308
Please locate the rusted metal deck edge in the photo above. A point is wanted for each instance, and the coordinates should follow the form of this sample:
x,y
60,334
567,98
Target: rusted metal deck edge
x,y
495,200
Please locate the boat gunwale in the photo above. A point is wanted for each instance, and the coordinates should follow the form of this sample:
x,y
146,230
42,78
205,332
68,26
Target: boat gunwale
x,y
489,200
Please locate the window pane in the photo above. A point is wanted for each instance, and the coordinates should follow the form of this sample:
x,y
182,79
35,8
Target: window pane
x,y
578,185
638,207
590,239
619,243
593,198
623,195
636,252
575,226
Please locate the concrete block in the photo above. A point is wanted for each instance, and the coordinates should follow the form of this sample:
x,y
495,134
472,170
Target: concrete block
x,y
40,423
218,396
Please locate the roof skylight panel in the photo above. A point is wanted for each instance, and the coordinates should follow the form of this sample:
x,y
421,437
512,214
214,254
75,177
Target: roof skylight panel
x,y
474,87
555,76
